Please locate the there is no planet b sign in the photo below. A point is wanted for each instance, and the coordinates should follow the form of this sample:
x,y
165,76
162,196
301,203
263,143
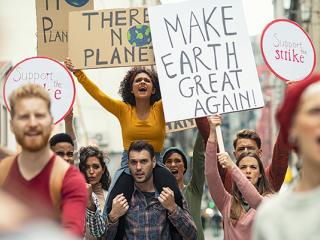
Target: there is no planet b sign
x,y
287,50
50,74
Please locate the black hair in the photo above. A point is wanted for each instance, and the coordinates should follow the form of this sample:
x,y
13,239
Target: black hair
x,y
141,145
172,150
91,151
60,137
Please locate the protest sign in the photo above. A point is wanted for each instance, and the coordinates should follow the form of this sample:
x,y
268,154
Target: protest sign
x,y
110,38
50,74
180,125
287,50
52,25
204,59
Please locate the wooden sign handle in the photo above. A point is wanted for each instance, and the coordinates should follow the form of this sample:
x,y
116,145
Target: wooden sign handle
x,y
220,139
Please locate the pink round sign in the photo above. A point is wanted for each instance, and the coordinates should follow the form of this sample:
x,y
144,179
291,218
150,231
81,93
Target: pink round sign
x,y
50,74
287,50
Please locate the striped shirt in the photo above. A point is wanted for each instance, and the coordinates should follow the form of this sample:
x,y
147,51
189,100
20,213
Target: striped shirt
x,y
94,220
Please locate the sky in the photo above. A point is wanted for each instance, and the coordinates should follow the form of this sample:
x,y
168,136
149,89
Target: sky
x,y
258,14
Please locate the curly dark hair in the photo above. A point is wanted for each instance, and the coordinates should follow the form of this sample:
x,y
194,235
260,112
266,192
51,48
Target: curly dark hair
x,y
91,151
126,85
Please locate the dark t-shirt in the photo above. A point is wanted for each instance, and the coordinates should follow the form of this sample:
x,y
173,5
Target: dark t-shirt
x,y
149,196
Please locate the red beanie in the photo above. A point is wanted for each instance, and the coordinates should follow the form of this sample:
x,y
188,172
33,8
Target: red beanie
x,y
290,103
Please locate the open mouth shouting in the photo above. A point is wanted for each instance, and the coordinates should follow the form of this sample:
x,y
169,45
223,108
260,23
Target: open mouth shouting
x,y
174,171
142,89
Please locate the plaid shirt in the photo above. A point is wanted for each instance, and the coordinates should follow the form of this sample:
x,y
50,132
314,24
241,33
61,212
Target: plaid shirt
x,y
146,221
94,220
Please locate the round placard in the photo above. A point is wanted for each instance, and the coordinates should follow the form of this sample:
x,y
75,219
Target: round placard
x,y
50,74
288,50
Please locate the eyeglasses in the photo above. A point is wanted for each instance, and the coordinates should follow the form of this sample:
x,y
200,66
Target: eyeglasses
x,y
62,154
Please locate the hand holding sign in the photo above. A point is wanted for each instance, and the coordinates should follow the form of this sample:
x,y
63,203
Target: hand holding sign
x,y
68,63
225,160
215,123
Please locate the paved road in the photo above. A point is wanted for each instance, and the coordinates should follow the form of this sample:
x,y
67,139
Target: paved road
x,y
208,235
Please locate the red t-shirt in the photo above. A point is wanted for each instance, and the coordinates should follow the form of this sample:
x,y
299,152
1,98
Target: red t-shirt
x,y
36,193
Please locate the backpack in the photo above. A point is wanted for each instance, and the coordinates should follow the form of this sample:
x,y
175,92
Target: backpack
x,y
58,172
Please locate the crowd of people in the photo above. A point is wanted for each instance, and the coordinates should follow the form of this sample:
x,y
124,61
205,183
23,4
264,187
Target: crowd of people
x,y
147,198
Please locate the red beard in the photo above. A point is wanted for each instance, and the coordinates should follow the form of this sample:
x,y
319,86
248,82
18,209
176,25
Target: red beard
x,y
35,144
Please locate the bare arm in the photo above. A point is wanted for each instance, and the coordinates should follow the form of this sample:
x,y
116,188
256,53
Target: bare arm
x,y
69,128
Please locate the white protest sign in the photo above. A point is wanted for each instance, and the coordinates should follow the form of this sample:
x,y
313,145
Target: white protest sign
x,y
204,59
288,50
50,74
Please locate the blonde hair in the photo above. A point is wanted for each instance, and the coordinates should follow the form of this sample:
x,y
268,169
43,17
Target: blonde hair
x,y
28,91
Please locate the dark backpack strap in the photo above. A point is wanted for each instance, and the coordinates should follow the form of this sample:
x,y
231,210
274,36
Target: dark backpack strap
x,y
121,230
175,235
125,185
162,177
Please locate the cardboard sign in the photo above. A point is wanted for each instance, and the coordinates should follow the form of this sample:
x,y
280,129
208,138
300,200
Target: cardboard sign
x,y
180,125
52,25
204,59
288,50
50,74
110,38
